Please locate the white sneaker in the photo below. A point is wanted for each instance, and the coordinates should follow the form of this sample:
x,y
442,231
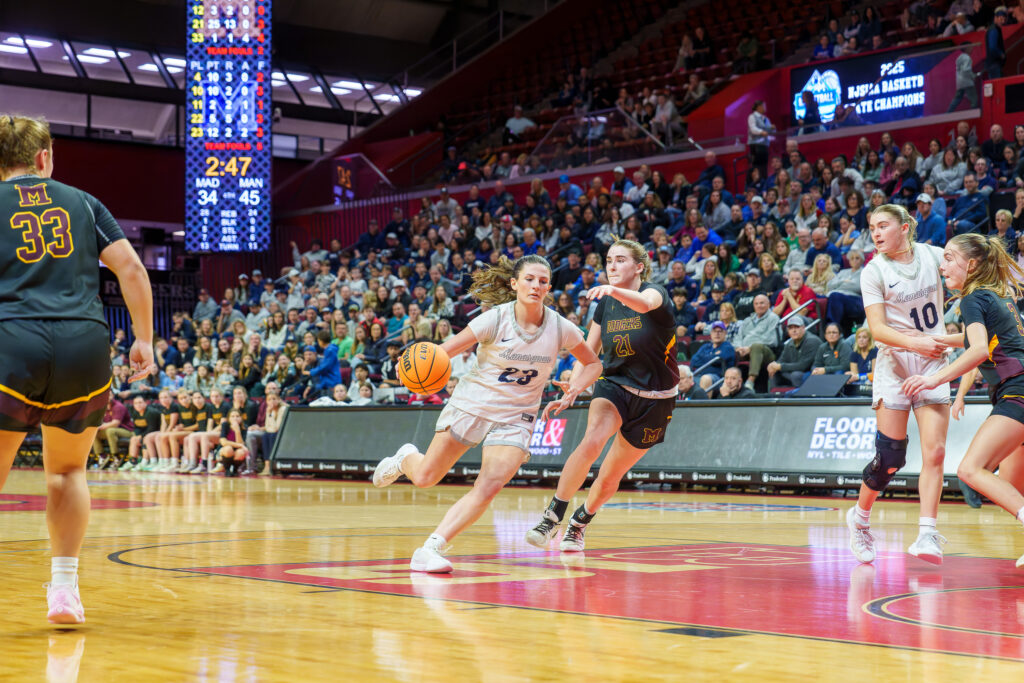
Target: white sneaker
x,y
389,469
1020,562
928,547
545,530
862,543
429,559
199,469
185,467
572,541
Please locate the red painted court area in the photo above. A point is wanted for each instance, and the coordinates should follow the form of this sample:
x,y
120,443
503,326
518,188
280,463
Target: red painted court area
x,y
970,606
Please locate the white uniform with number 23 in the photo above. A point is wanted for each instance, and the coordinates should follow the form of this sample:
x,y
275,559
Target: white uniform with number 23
x,y
912,295
496,402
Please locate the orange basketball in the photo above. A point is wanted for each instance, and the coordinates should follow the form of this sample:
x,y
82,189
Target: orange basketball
x,y
424,368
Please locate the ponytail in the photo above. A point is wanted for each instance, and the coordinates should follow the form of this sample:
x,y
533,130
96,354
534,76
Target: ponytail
x,y
493,286
995,269
21,138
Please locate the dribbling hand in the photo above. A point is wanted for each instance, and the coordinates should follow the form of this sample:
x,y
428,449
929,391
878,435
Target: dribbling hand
x,y
141,358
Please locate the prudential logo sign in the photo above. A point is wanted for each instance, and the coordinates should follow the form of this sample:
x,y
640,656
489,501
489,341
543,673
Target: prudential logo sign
x,y
827,92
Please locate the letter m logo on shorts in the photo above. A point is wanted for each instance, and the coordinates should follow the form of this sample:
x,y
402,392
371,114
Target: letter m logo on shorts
x,y
651,435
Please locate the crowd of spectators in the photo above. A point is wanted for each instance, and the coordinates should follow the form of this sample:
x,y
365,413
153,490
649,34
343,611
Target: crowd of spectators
x,y
737,262
859,32
587,138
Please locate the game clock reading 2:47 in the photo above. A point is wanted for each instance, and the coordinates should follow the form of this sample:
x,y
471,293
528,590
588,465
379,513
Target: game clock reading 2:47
x,y
227,116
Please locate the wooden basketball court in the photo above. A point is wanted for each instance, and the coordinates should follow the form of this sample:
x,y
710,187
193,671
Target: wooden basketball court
x,y
195,578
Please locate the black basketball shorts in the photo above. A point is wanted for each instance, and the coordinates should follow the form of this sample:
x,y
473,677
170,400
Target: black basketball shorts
x,y
53,372
644,420
1008,399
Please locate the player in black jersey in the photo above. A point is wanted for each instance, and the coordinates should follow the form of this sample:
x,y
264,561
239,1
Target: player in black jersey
x,y
635,396
54,354
161,415
199,443
987,278
141,425
179,429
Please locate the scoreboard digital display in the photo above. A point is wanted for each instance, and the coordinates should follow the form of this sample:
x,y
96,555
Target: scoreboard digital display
x,y
228,116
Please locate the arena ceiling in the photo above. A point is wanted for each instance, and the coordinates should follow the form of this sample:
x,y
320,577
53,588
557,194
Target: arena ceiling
x,y
372,39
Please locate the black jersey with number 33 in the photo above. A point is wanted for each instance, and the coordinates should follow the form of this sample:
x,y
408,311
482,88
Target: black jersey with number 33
x,y
639,348
51,236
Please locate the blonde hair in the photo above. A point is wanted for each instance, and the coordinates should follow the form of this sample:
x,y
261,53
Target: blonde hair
x,y
871,341
995,270
901,214
639,255
21,138
724,307
493,286
821,275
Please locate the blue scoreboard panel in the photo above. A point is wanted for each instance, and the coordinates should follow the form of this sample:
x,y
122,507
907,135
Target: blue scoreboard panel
x,y
228,115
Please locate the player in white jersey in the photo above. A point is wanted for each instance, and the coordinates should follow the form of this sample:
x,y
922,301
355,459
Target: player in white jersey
x,y
902,291
496,402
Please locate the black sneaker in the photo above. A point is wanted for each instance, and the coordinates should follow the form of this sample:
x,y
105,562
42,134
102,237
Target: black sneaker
x,y
572,542
542,534
971,497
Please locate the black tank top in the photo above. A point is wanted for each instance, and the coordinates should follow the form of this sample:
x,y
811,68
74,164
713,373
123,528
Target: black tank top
x,y
639,348
51,236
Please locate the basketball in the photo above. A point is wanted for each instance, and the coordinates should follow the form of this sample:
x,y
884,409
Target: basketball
x,y
424,368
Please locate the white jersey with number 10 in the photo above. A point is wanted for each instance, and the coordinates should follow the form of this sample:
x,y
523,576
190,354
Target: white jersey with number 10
x,y
911,292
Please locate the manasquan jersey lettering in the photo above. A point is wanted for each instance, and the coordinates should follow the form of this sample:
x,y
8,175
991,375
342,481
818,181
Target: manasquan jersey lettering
x,y
639,348
512,368
911,292
51,236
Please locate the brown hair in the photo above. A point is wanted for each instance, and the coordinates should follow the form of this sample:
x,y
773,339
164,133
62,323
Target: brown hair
x,y
21,138
639,255
493,286
995,270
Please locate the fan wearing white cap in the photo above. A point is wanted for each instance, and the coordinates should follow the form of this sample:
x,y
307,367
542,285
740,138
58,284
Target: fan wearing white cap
x,y
931,228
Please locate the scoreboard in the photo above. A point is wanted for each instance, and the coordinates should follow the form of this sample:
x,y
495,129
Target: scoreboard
x,y
228,115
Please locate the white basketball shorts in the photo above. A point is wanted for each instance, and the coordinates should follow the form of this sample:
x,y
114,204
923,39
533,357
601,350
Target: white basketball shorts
x,y
895,365
470,430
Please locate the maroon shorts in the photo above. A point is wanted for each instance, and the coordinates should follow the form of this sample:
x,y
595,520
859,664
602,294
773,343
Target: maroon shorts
x,y
53,372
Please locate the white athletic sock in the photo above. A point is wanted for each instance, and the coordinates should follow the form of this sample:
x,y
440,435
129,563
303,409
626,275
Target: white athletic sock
x,y
863,516
63,571
436,541
1020,515
926,524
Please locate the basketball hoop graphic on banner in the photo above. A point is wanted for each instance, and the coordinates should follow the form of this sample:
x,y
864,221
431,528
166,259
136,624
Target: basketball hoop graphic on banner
x,y
827,91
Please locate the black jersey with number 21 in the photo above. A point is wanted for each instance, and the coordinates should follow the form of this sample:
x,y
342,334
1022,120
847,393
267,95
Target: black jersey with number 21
x,y
639,348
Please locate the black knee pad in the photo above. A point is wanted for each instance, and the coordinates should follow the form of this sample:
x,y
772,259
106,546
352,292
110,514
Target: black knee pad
x,y
890,457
